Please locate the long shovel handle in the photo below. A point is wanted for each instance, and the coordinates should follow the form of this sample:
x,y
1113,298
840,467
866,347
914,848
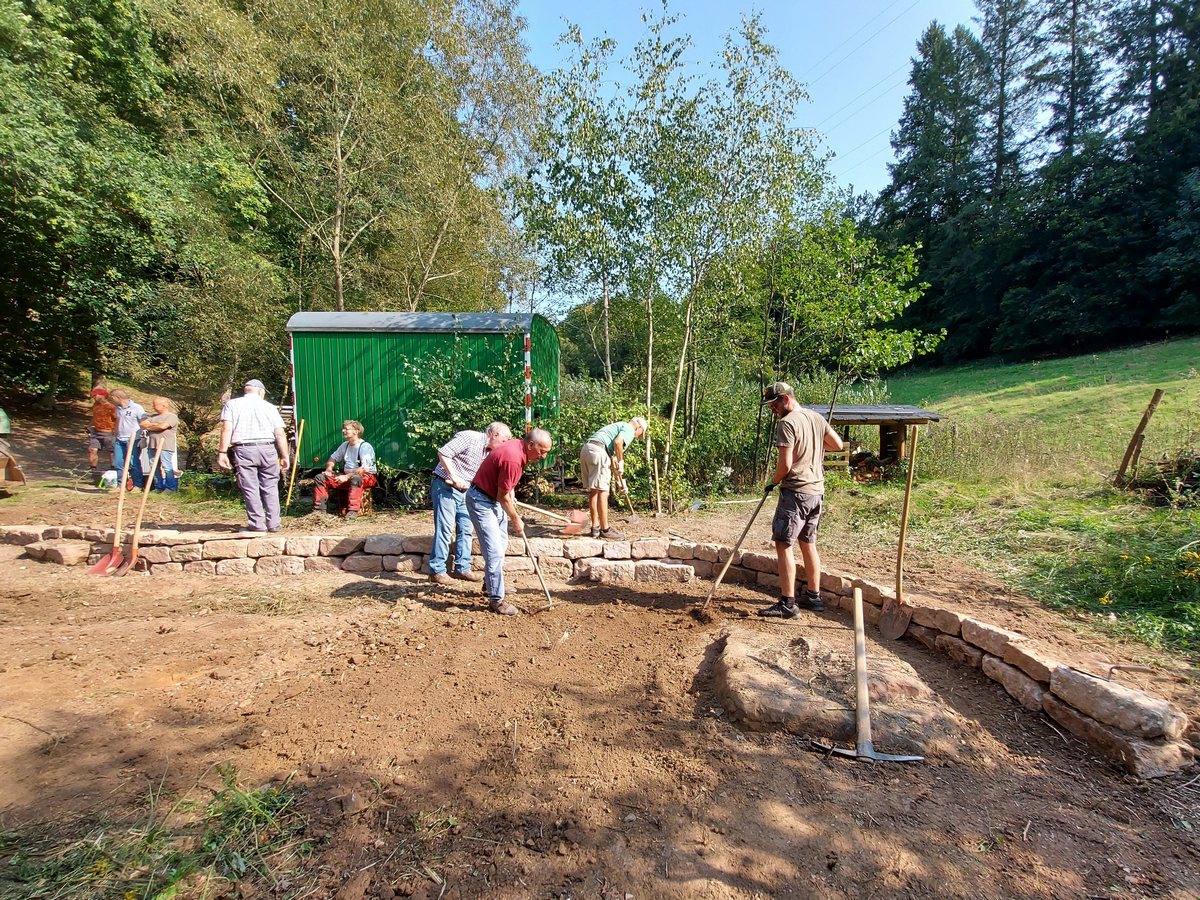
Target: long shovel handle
x,y
537,568
912,468
862,702
295,465
736,547
121,500
543,512
137,524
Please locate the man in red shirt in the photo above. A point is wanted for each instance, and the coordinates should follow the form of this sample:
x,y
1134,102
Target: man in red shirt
x,y
492,506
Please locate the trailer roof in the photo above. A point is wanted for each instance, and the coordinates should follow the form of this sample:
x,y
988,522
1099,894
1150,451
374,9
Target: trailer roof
x,y
422,322
869,414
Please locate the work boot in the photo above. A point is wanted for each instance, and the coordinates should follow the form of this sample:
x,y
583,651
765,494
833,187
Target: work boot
x,y
468,576
502,608
441,578
810,600
321,507
780,609
611,534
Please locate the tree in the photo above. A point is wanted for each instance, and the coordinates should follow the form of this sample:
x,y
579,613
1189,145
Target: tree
x,y
1008,33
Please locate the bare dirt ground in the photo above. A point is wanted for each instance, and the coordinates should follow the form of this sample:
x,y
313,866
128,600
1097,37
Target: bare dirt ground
x,y
578,752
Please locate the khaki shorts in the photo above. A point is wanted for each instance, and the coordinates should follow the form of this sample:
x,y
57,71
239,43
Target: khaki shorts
x,y
796,518
595,467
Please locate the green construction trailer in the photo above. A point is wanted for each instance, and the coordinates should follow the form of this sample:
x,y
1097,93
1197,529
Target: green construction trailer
x,y
360,365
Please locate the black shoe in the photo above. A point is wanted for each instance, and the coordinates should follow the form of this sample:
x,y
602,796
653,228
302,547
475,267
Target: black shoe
x,y
809,600
780,610
321,508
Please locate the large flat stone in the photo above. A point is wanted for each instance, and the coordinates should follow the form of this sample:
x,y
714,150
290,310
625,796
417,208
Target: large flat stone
x,y
322,563
541,546
363,563
555,568
768,580
62,552
1143,758
926,637
229,549
705,569
989,638
1115,704
266,546
518,565
22,535
681,550
421,544
160,555
303,546
606,571
873,593
655,572
711,553
1020,686
759,562
235,566
279,565
405,562
185,553
200,567
648,548
1030,661
617,550
835,583
959,650
944,620
167,568
385,544
341,546
581,548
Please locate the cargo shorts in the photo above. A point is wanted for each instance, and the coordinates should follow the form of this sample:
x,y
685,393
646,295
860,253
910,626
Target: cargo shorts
x,y
797,516
595,467
101,440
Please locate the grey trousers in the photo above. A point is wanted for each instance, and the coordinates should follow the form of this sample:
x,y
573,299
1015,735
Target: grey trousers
x,y
257,468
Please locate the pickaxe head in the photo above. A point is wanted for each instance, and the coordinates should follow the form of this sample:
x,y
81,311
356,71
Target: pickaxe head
x,y
865,750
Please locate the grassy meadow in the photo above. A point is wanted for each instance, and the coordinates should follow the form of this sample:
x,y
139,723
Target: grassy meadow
x,y
1017,479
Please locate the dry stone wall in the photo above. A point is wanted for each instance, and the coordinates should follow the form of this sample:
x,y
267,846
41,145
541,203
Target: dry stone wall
x,y
1143,734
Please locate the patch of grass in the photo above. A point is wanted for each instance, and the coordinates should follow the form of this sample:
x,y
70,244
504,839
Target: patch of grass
x,y
190,849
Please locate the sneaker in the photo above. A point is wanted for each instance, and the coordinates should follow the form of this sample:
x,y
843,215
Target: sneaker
x,y
502,607
595,532
467,576
611,534
780,610
440,578
351,514
811,601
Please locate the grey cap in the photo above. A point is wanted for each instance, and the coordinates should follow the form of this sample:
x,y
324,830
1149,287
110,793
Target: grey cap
x,y
773,392
256,384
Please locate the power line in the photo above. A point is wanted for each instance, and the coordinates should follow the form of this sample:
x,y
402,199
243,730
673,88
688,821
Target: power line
x,y
886,93
864,43
866,142
861,163
865,25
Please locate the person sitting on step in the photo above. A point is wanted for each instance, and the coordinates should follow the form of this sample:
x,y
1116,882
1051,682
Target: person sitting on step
x,y
357,458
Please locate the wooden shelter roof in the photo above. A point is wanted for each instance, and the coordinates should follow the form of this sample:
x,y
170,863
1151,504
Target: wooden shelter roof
x,y
870,414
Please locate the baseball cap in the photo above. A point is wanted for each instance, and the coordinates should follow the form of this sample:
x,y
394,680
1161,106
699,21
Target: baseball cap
x,y
256,384
773,392
99,392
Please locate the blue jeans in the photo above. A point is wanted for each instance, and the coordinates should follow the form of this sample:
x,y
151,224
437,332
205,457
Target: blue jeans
x,y
120,448
450,519
491,525
164,478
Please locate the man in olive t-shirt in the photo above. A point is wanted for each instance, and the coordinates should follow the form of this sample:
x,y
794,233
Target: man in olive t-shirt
x,y
161,428
801,438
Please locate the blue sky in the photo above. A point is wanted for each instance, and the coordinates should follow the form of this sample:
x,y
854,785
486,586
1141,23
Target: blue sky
x,y
853,57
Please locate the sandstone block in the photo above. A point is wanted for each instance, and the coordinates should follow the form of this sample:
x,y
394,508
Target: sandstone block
x,y
768,580
1143,758
656,572
63,552
759,562
959,650
990,638
544,546
200,567
834,583
266,546
1029,661
1124,708
681,550
406,562
165,537
187,553
705,569
235,566
51,533
943,620
303,546
617,550
167,568
161,555
74,534
37,550
607,571
363,563
98,534
279,565
922,635
581,548
710,553
24,534
421,544
341,546
385,544
518,565
649,548
1020,686
873,593
322,563
231,549
871,614
556,568
739,575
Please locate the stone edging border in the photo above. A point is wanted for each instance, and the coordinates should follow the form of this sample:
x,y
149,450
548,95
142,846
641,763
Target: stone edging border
x,y
1139,732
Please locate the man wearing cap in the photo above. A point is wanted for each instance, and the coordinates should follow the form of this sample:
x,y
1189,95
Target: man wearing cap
x,y
801,437
254,445
602,458
102,435
492,506
130,414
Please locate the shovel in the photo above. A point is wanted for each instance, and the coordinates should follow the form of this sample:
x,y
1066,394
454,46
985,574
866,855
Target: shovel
x,y
537,568
893,622
634,518
736,547
864,748
109,564
574,524
137,523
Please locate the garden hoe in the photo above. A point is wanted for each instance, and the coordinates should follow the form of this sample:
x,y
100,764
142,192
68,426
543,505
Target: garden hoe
x,y
574,524
702,613
864,748
137,523
896,613
113,560
537,568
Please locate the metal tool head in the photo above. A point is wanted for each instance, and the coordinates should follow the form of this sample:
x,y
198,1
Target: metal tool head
x,y
865,751
696,505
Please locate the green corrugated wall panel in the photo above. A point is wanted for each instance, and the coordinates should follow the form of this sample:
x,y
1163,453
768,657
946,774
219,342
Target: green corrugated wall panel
x,y
361,375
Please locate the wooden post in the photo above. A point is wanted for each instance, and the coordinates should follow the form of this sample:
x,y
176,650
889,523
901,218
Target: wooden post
x,y
1137,436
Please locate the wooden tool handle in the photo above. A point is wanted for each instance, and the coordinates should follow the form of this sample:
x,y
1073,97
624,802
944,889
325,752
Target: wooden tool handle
x,y
912,467
137,525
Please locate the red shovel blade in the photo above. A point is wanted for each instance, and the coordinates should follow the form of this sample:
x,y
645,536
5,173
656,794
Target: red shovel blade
x,y
107,565
127,565
573,528
579,517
